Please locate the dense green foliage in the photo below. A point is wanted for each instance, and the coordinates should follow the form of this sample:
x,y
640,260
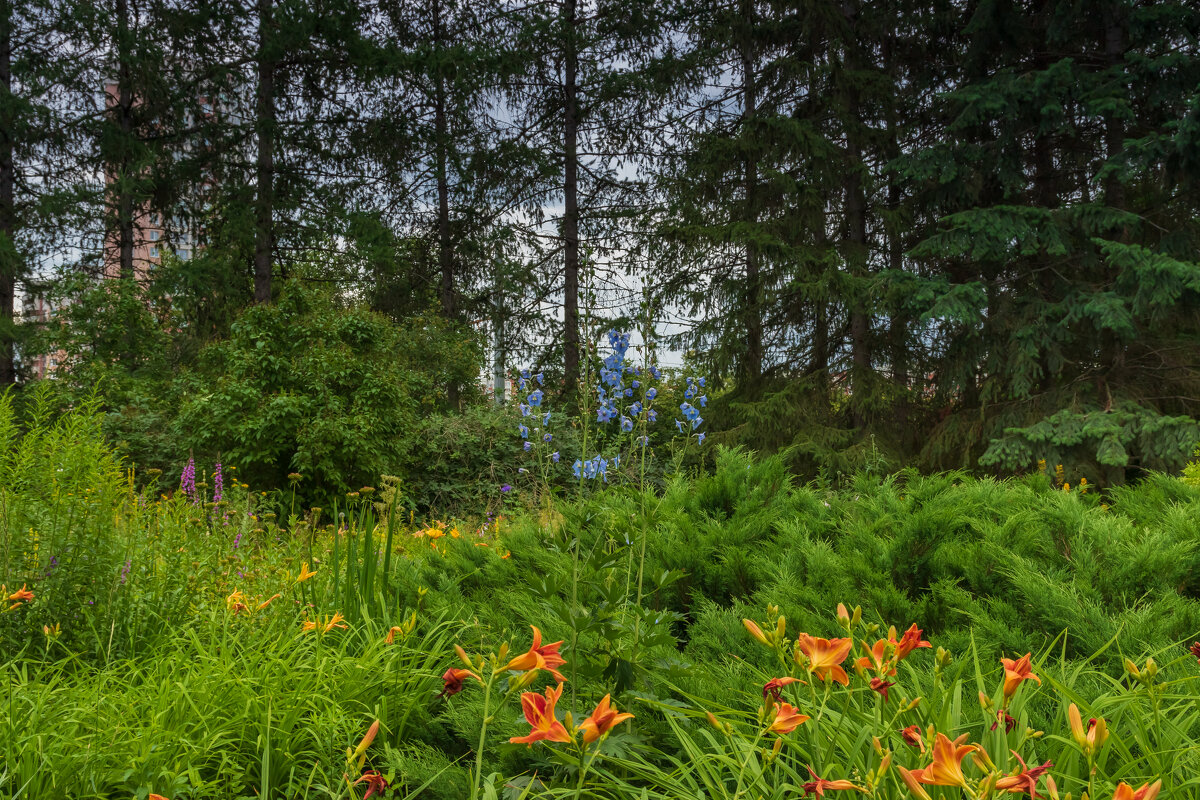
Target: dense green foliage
x,y
967,230
158,680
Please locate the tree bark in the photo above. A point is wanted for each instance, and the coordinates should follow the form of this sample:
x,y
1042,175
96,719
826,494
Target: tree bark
x,y
856,232
264,232
570,198
8,222
124,178
753,297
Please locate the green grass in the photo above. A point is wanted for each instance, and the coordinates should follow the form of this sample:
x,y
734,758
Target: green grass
x,y
156,682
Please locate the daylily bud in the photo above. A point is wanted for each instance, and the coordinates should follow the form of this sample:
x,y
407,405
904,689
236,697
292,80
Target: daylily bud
x,y
843,616
462,656
872,629
756,632
1132,669
1030,733
981,757
780,628
775,748
523,680
1151,669
943,657
878,745
988,785
856,617
502,655
916,701
985,702
914,785
569,721
772,611
1051,787
884,765
712,720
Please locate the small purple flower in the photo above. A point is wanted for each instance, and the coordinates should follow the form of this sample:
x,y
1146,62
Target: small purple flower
x,y
528,446
187,481
505,489
547,437
554,456
218,483
125,571
237,541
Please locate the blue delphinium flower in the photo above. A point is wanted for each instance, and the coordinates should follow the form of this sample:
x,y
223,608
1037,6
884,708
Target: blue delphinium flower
x,y
576,467
699,438
617,461
636,384
690,393
629,392
554,456
528,446
541,378
535,398
521,384
546,419
521,429
644,441
651,393
697,422
635,408
657,373
524,409
548,437
652,415
626,424
701,382
703,400
679,426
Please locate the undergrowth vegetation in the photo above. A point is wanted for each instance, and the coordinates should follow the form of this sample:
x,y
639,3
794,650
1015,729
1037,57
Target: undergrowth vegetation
x,y
211,641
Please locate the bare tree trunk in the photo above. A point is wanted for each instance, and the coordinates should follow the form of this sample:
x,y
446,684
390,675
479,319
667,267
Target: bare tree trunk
x,y
124,178
570,199
8,222
856,235
445,248
264,233
753,297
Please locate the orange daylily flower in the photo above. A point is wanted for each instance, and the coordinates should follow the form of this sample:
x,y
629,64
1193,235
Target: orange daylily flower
x,y
1149,791
22,595
154,796
391,636
881,686
1195,651
266,602
305,573
818,786
774,687
911,640
946,768
601,721
236,602
376,784
874,660
1025,780
326,625
539,713
912,735
1015,672
825,656
452,681
786,719
538,656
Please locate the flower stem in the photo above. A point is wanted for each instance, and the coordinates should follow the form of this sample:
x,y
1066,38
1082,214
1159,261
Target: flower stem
x,y
487,702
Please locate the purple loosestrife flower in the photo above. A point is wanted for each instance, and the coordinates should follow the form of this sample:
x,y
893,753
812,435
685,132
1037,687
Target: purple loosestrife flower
x,y
187,481
237,541
125,571
218,483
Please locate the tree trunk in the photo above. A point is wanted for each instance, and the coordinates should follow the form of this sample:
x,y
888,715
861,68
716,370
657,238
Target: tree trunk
x,y
856,234
445,249
570,199
124,178
753,298
8,222
264,232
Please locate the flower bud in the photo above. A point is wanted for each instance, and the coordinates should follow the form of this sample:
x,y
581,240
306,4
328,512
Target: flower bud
x,y
1151,669
756,632
943,657
916,701
856,617
780,628
712,720
985,702
878,745
462,656
1132,669
843,616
